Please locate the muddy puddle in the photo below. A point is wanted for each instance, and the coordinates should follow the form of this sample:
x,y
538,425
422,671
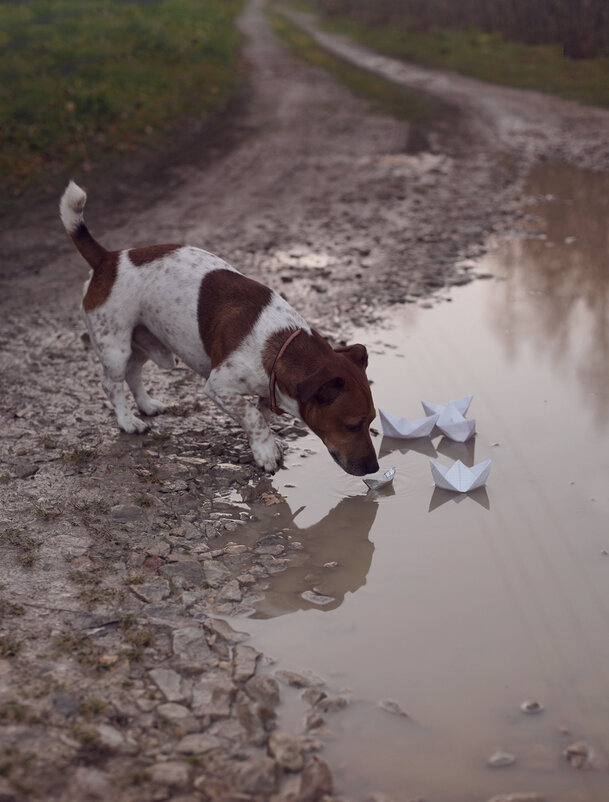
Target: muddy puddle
x,y
461,608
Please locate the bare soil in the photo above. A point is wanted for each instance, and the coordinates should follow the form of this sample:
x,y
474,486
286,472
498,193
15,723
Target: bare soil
x,y
117,678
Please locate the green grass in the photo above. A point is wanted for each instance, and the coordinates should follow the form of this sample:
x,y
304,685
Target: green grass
x,y
488,57
399,101
81,78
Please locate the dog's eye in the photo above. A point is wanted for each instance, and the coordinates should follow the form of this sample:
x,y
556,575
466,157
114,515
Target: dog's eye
x,y
356,427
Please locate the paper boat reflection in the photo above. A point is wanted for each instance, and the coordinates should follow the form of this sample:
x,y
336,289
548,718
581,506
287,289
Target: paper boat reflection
x,y
381,481
459,477
402,427
451,418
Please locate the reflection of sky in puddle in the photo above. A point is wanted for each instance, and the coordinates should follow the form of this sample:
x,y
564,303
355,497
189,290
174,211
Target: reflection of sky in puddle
x,y
461,611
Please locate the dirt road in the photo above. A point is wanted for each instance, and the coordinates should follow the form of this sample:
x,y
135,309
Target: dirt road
x,y
117,678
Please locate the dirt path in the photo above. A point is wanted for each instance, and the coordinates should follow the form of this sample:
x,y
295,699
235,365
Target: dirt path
x,y
117,679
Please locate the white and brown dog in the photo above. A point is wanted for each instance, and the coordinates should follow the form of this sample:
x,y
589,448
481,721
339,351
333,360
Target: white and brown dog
x,y
154,302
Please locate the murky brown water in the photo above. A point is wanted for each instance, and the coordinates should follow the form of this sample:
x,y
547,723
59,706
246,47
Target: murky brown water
x,y
461,608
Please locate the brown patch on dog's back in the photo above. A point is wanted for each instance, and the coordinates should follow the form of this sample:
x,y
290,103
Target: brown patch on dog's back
x,y
229,305
143,256
102,282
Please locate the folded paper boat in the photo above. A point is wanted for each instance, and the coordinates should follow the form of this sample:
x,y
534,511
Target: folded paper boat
x,y
451,418
381,481
402,427
459,477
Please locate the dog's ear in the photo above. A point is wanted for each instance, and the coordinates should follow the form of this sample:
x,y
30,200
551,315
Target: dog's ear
x,y
322,387
356,353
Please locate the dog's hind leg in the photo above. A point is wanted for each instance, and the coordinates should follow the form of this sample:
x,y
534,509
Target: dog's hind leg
x,y
133,376
115,360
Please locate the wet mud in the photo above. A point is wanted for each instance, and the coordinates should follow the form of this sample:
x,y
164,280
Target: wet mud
x,y
124,556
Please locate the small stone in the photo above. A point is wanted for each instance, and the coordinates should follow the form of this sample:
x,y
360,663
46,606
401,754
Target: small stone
x,y
172,773
114,740
258,776
197,744
175,714
331,704
151,592
173,686
287,750
89,784
127,512
212,696
224,630
25,470
190,648
579,755
264,690
230,592
66,704
317,598
190,572
315,781
531,707
299,679
392,707
244,662
499,759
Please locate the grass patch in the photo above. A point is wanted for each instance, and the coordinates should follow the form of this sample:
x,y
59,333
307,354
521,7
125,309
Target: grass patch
x,y
82,78
486,56
78,455
399,101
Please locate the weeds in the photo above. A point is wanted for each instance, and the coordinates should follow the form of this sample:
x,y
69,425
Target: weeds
x,y
79,80
78,456
9,647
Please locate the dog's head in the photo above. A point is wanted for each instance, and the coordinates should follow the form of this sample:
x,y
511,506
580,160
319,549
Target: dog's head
x,y
336,403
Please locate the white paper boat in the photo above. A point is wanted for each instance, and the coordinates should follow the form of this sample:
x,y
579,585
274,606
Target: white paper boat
x,y
402,427
381,481
451,421
461,405
459,477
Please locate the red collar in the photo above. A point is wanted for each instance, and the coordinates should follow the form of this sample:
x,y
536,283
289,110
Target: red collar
x,y
273,377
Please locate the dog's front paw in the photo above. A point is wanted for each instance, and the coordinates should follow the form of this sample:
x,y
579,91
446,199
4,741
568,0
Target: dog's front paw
x,y
267,454
151,407
134,425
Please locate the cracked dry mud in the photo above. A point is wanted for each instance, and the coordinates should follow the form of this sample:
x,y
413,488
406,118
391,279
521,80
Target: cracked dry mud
x,y
118,678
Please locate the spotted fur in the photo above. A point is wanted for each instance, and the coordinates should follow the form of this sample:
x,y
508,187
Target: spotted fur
x,y
166,300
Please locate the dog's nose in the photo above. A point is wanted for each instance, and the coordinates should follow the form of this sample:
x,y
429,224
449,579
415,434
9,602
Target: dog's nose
x,y
371,465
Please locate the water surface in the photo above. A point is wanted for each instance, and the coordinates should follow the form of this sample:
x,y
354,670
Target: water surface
x,y
462,607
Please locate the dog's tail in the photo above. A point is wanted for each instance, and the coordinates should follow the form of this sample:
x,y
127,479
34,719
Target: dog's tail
x,y
71,209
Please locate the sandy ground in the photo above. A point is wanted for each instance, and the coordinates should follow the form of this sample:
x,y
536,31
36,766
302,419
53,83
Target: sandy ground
x,y
117,678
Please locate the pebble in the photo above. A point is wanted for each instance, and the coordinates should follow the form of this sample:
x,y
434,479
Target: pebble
x,y
190,648
579,755
316,598
258,776
127,512
315,781
499,759
531,707
264,690
171,684
212,696
172,773
197,744
392,707
287,750
89,784
244,662
299,679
